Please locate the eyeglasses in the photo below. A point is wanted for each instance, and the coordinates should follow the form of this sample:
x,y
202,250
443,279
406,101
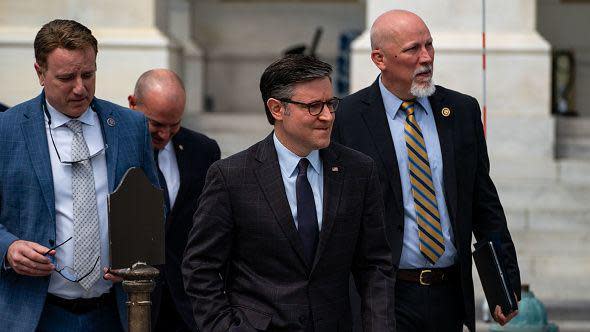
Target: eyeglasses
x,y
71,162
317,107
67,272
68,162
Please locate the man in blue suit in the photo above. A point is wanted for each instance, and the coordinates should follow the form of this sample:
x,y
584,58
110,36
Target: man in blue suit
x,y
61,154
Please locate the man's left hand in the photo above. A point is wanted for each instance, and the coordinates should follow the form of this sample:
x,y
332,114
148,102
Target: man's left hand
x,y
500,318
111,277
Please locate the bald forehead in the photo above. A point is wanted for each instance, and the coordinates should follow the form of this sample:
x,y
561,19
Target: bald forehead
x,y
393,25
161,81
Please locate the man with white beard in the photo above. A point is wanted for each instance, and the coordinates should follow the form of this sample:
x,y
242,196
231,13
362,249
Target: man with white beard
x,y
429,145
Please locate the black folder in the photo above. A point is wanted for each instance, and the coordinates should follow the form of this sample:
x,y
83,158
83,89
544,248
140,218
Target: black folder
x,y
494,280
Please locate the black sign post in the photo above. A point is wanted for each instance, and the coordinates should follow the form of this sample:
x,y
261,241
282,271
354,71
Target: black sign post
x,y
136,235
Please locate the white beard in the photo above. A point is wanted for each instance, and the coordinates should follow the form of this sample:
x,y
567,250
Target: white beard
x,y
422,90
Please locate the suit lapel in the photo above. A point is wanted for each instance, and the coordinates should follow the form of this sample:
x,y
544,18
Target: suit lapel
x,y
109,124
376,120
33,130
270,180
333,175
444,127
181,160
183,167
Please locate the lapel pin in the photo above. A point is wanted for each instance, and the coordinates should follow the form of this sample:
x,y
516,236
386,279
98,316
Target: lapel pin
x,y
181,147
446,111
111,122
335,169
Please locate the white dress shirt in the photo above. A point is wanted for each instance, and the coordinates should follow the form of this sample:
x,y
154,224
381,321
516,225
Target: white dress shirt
x,y
64,214
169,167
315,175
411,256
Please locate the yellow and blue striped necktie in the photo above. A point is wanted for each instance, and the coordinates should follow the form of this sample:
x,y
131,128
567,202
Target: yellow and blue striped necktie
x,y
427,215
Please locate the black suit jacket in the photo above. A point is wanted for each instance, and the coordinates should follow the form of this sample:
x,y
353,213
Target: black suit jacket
x,y
471,197
244,224
194,154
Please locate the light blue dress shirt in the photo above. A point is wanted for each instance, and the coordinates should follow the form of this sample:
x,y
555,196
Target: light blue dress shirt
x,y
315,175
64,211
411,258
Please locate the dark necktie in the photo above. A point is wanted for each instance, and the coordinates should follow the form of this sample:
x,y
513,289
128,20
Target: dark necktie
x,y
306,212
163,184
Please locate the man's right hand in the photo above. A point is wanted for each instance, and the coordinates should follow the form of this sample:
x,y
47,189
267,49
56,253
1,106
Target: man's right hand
x,y
29,259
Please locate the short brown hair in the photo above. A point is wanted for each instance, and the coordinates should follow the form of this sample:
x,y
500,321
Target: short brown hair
x,y
67,34
281,76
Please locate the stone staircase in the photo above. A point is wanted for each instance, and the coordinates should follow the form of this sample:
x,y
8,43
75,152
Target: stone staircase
x,y
548,215
573,137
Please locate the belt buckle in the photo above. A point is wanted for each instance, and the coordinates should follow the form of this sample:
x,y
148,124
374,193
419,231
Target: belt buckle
x,y
422,282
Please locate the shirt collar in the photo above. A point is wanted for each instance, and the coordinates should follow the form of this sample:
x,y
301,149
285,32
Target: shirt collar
x,y
59,119
169,146
288,160
392,102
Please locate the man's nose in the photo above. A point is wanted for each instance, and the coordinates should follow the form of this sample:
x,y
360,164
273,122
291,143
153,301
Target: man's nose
x,y
425,56
325,114
79,88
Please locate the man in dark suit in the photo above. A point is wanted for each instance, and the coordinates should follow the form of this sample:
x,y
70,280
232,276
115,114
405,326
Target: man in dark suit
x,y
429,145
183,157
61,154
281,225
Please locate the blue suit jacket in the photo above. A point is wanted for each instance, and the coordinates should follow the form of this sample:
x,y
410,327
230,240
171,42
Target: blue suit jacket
x,y
27,202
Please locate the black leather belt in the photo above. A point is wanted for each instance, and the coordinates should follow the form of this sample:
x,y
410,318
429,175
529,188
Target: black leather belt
x,y
81,306
427,277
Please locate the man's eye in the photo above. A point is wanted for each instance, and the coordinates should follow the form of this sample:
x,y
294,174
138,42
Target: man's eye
x,y
316,106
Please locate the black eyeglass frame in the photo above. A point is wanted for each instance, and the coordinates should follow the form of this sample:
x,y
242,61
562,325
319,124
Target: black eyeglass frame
x,y
67,267
69,162
334,101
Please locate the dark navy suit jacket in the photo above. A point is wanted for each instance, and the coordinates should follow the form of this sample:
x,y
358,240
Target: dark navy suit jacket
x,y
471,197
194,154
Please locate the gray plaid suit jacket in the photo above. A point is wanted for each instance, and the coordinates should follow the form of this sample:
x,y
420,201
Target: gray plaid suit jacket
x,y
244,267
27,203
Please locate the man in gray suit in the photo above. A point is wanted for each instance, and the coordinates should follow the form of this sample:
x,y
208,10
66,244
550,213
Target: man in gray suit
x,y
281,225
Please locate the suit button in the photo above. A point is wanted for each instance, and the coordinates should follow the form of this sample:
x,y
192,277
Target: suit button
x,y
302,319
51,242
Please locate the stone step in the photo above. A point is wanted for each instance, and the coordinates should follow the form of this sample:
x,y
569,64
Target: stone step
x,y
233,132
572,127
573,137
573,147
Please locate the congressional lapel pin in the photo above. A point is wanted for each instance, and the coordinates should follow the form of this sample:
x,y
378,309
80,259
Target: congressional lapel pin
x,y
181,147
111,122
446,111
335,169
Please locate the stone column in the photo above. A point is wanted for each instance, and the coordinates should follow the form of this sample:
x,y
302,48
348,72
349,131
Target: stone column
x,y
129,43
520,129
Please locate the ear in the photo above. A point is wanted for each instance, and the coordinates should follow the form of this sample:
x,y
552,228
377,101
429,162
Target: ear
x,y
275,106
40,74
132,101
378,58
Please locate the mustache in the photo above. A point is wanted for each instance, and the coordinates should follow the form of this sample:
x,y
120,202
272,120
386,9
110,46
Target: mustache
x,y
423,70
